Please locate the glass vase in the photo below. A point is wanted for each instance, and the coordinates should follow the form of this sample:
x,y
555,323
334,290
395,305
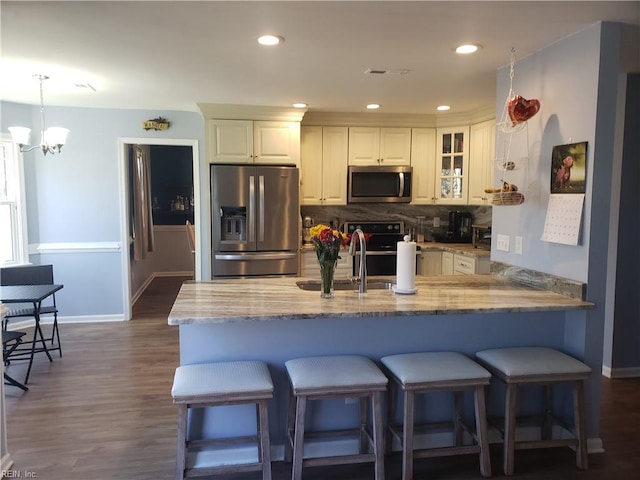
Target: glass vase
x,y
327,270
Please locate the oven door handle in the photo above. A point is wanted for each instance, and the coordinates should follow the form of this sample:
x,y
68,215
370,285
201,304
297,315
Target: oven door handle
x,y
371,253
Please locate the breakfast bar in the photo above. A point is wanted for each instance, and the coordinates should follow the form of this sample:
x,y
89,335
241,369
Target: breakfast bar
x,y
274,319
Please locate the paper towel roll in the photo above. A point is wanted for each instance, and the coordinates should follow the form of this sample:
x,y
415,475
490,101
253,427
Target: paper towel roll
x,y
406,266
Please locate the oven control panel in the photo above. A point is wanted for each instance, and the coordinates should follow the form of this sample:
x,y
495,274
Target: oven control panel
x,y
389,228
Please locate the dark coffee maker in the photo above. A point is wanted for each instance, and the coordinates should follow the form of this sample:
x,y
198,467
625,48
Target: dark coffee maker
x,y
459,229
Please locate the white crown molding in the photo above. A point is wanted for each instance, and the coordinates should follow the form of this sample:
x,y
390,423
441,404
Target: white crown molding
x,y
250,112
360,119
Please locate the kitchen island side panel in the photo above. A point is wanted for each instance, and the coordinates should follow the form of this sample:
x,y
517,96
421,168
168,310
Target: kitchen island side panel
x,y
276,341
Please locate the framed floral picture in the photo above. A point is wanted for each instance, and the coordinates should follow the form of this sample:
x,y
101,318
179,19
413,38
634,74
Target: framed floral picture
x,y
569,168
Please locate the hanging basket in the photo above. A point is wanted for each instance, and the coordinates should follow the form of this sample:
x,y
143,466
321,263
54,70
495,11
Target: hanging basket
x,y
507,198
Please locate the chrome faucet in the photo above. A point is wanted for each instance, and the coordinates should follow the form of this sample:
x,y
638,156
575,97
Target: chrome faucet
x,y
363,258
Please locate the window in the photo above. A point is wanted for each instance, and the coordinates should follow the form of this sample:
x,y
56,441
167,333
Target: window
x,y
13,231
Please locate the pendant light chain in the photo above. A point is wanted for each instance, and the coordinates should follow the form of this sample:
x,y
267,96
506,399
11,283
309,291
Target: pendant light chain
x,y
42,78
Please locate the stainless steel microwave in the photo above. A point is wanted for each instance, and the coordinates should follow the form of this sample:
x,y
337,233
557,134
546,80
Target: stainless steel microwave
x,y
387,184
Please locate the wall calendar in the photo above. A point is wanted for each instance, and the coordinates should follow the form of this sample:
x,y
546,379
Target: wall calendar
x,y
564,217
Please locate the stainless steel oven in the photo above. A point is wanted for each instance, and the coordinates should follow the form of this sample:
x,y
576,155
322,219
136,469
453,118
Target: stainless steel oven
x,y
381,240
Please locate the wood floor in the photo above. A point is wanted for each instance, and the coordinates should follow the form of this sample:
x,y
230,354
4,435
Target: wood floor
x,y
103,411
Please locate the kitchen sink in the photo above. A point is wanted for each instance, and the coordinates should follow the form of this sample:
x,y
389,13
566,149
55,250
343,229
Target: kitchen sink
x,y
314,285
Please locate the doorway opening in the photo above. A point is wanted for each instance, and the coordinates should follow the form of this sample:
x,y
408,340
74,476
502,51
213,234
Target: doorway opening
x,y
159,193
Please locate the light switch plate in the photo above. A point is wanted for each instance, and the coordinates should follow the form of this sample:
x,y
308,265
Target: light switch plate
x,y
503,243
518,245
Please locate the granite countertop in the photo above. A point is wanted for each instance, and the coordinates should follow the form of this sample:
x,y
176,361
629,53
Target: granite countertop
x,y
263,299
463,248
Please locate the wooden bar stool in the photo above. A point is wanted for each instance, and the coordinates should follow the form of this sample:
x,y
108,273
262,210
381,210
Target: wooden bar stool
x,y
341,376
520,366
429,372
216,384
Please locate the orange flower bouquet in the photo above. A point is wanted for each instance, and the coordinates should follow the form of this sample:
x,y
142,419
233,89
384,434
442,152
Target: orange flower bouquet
x,y
327,243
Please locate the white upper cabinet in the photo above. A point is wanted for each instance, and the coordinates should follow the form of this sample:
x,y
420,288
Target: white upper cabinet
x,y
379,146
276,142
246,141
481,161
423,161
451,173
323,165
230,141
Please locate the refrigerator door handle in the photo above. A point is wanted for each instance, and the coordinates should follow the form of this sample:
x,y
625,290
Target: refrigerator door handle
x,y
252,206
261,200
256,256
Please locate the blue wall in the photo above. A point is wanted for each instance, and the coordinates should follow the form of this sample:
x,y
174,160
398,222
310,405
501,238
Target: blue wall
x,y
577,82
73,198
564,77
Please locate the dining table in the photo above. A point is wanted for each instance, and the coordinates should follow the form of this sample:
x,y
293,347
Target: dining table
x,y
34,295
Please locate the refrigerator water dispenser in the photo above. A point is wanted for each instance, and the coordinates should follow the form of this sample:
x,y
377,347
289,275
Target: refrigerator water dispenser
x,y
233,224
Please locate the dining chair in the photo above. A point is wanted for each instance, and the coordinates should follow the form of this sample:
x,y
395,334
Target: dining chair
x,y
191,237
10,342
33,275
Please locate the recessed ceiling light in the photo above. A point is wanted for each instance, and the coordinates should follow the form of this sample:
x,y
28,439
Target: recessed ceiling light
x,y
270,40
300,105
443,108
373,106
467,48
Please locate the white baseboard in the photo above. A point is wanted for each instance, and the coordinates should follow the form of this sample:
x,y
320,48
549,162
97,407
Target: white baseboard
x,y
594,445
629,372
136,296
185,273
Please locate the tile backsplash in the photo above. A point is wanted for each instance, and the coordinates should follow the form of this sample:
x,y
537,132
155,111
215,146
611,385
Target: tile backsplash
x,y
379,212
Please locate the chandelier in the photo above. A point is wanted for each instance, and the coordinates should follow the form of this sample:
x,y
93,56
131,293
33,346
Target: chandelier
x,y
51,140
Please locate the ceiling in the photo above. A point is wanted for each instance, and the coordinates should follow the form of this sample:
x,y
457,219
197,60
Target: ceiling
x,y
173,55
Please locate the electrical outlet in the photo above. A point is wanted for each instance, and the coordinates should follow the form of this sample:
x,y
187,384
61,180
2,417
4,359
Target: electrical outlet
x,y
518,246
503,243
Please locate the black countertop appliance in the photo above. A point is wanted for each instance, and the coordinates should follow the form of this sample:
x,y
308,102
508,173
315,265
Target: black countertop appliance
x,y
459,229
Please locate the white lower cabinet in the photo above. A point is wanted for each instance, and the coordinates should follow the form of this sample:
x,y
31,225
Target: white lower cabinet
x,y
310,268
430,263
447,263
436,262
464,265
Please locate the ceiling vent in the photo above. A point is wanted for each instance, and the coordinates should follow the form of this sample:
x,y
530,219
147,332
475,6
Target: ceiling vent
x,y
381,71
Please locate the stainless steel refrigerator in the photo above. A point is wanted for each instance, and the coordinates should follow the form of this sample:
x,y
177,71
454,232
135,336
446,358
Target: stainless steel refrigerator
x,y
255,220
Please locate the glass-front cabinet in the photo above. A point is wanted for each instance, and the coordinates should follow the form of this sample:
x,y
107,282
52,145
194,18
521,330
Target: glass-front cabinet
x,y
452,165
